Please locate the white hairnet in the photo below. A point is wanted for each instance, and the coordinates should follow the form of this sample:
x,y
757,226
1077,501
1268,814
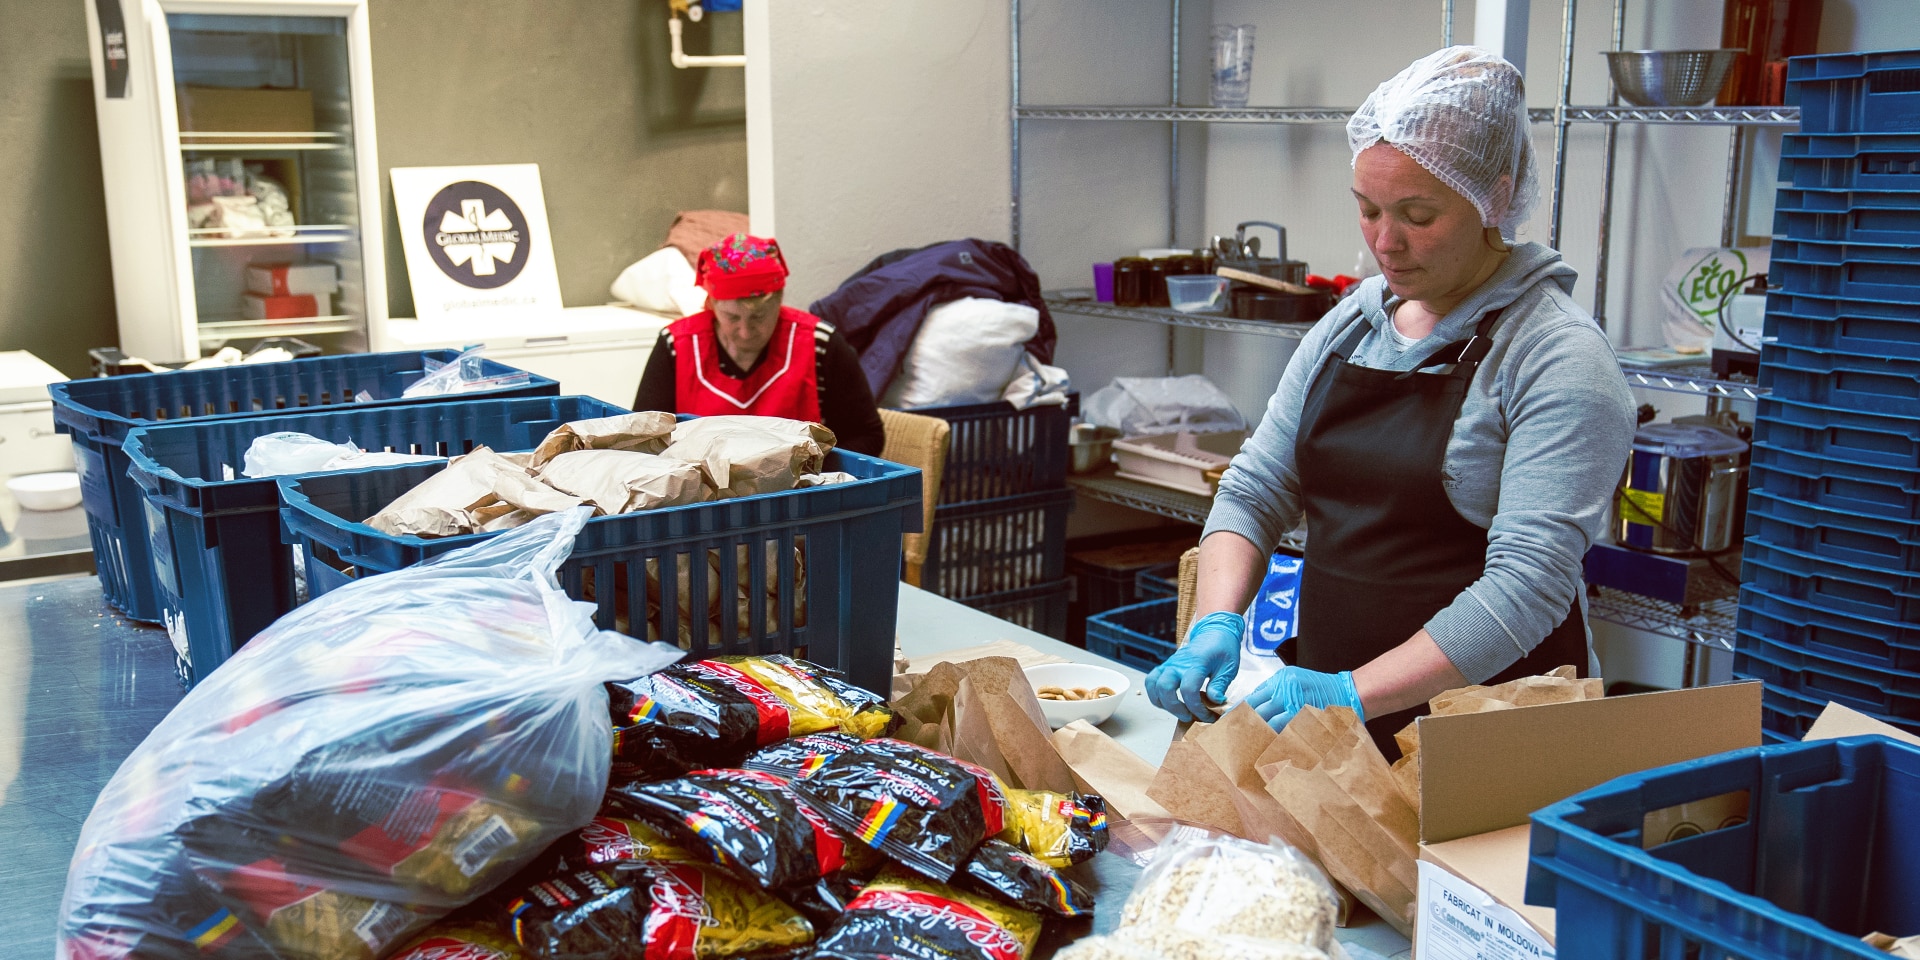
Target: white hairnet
x,y
1462,114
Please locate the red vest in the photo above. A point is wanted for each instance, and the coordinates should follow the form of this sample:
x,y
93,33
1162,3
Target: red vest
x,y
784,384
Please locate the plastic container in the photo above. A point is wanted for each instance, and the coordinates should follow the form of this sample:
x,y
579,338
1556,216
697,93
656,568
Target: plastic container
x,y
1194,294
1829,633
100,413
1831,252
994,450
1829,852
1106,567
1838,535
1872,490
1140,636
1865,279
1874,384
848,588
1041,608
1866,328
1784,718
221,572
1816,581
1839,222
992,546
1827,431
1883,693
1177,461
1856,92
1894,168
1158,582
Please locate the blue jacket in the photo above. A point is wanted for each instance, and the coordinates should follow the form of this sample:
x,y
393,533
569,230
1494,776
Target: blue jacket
x,y
879,308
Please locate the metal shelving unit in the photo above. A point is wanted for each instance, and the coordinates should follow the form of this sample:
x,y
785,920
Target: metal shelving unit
x,y
1707,116
1145,497
1709,624
1694,378
1088,307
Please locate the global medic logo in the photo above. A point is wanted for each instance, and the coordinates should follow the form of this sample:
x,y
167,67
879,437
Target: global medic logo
x,y
476,233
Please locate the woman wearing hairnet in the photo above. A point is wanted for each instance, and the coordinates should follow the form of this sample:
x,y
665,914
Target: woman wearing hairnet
x,y
1451,434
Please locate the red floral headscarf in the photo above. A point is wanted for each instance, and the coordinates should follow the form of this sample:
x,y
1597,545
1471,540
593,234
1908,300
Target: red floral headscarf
x,y
742,266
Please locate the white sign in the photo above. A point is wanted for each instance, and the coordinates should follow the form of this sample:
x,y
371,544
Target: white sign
x,y
476,242
1458,921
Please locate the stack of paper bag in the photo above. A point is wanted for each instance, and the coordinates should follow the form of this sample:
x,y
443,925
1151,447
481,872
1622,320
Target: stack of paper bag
x,y
985,712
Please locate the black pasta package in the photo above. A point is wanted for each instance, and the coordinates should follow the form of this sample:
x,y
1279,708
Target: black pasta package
x,y
924,809
752,823
712,713
660,911
1000,869
900,915
799,756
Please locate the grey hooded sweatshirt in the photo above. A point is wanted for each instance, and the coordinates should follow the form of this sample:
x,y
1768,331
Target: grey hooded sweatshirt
x,y
1534,457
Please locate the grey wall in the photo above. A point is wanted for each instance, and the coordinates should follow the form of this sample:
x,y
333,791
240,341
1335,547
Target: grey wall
x,y
56,284
580,87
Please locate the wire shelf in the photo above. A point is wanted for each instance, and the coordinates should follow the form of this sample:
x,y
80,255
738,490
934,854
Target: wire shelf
x,y
1695,378
1174,318
1720,116
1145,497
1708,624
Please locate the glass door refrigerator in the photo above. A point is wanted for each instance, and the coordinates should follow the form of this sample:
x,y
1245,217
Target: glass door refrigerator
x,y
242,186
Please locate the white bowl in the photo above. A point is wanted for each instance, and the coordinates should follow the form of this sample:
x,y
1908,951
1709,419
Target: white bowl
x,y
1085,675
46,491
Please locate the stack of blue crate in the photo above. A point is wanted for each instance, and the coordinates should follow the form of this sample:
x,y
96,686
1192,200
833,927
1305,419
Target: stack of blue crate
x,y
1830,610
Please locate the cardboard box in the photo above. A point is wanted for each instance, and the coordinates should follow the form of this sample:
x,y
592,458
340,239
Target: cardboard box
x,y
1483,774
293,307
1837,721
226,109
318,280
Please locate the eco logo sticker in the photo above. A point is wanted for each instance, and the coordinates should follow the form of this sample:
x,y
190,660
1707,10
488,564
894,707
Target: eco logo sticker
x,y
476,234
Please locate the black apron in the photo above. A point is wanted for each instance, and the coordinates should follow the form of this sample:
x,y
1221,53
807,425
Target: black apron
x,y
1386,549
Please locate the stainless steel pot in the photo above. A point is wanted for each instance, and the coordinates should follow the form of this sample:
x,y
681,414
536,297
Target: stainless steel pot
x,y
1681,493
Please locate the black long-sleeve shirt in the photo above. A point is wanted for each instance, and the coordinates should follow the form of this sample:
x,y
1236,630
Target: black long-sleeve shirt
x,y
846,405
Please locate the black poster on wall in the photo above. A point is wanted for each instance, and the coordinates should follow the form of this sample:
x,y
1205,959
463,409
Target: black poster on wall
x,y
113,47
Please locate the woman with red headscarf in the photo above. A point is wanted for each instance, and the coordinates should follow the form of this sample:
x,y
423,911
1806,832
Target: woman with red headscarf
x,y
747,353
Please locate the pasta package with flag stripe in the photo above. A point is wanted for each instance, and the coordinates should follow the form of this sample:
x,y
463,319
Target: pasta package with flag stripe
x,y
902,915
712,713
655,911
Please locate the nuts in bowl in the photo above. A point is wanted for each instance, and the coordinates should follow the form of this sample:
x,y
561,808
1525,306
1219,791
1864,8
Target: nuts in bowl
x,y
1077,691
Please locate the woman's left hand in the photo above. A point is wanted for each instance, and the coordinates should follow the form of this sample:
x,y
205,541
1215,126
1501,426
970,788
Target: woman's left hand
x,y
1284,693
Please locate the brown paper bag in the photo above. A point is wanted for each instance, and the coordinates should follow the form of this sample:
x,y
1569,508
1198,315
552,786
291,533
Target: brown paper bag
x,y
1101,765
625,481
1337,785
748,455
1560,686
985,712
1908,947
642,432
907,669
440,505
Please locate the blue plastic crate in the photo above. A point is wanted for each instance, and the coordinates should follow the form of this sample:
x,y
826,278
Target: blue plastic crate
x,y
1828,431
1140,635
1851,326
1838,222
1875,491
1890,167
1874,384
847,588
1878,644
1820,582
219,566
1883,693
1829,851
1836,252
1041,608
1862,279
995,450
100,413
1829,145
1158,581
992,546
1841,536
1856,92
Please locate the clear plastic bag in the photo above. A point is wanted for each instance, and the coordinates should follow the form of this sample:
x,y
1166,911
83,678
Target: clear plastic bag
x,y
1225,886
1138,406
462,375
376,758
284,454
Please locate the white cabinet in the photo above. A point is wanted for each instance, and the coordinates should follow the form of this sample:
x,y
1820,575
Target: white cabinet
x,y
237,133
595,351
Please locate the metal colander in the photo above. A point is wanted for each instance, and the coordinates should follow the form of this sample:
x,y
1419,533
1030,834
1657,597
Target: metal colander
x,y
1670,78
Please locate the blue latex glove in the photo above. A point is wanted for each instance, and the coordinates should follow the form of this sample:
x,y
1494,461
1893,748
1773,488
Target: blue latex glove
x,y
1284,693
1209,659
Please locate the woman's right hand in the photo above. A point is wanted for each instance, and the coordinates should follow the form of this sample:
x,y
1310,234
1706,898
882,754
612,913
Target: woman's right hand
x,y
1201,669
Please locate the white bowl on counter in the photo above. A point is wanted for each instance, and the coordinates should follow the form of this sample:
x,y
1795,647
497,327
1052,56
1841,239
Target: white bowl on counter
x,y
1084,676
45,491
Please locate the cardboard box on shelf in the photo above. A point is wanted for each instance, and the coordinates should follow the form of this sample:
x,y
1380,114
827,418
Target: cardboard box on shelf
x,y
1837,721
294,307
318,279
230,110
1483,774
